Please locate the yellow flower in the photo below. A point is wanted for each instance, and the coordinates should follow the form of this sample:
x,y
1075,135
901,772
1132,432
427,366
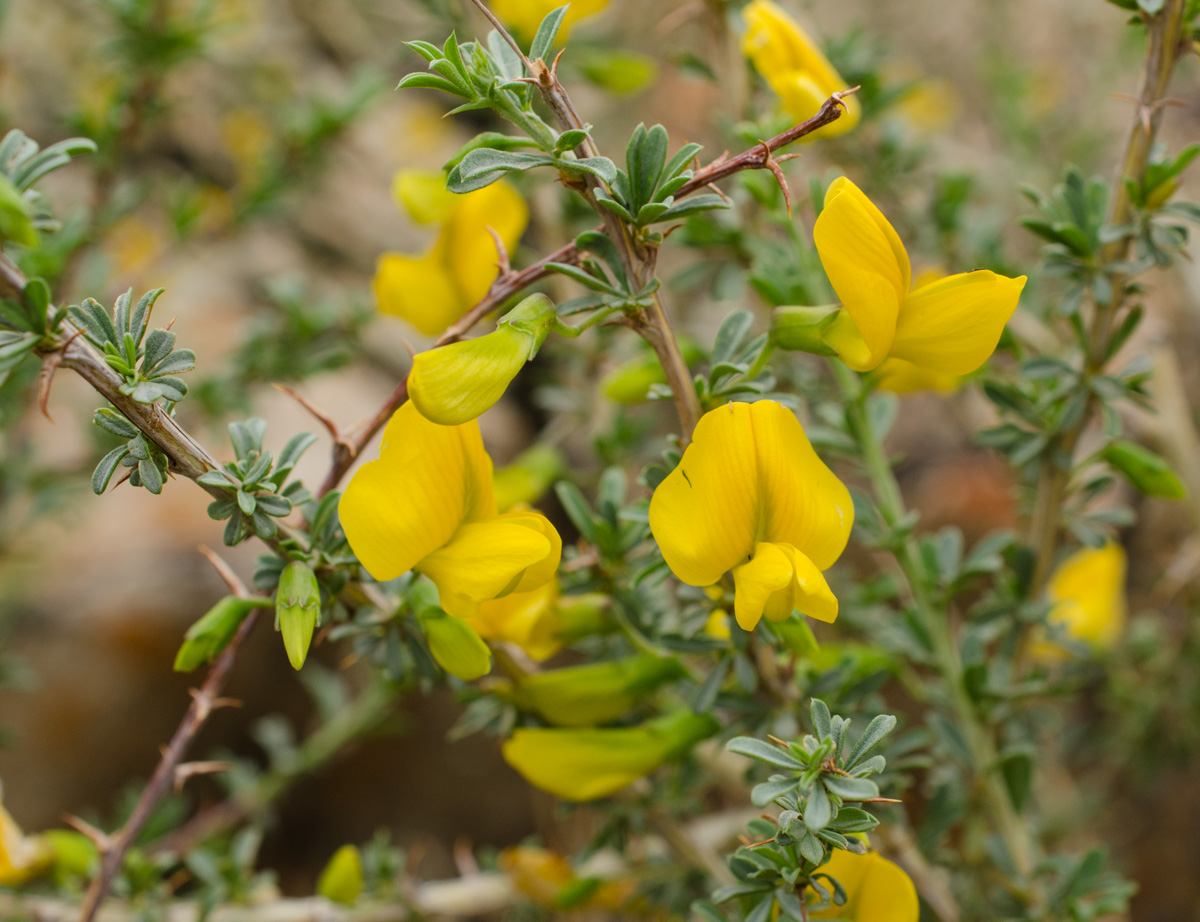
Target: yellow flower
x,y
1088,593
548,879
22,857
876,889
426,504
524,16
583,765
458,382
949,326
433,290
790,61
751,496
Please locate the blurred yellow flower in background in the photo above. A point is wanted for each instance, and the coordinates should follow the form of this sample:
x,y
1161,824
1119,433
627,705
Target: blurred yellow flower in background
x,y
949,326
750,495
549,880
1088,593
876,889
524,16
426,504
22,857
794,67
580,765
433,290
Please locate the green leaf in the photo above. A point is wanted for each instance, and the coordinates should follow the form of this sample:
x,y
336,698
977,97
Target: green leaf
x,y
114,422
764,752
158,346
600,167
152,478
694,204
104,470
547,32
571,139
577,508
645,156
1016,765
818,808
487,160
856,789
730,335
876,730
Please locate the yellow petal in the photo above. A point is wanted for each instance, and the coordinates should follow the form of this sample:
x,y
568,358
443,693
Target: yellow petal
x,y
749,476
811,594
704,515
768,572
803,502
543,571
420,289
409,502
952,326
901,377
1088,592
594,693
424,195
868,268
876,889
456,383
470,251
790,61
482,561
583,765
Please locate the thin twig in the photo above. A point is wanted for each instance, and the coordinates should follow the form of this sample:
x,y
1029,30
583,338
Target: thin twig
x,y
204,700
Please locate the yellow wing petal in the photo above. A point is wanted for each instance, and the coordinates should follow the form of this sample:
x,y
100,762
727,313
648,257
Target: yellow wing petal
x,y
811,595
528,619
418,289
482,561
876,889
952,326
704,515
545,569
768,572
803,502
868,268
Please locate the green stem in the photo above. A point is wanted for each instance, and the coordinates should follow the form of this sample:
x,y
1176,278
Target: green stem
x,y
1016,835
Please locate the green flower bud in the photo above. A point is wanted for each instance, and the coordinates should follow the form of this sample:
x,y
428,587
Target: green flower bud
x,y
455,645
802,329
74,854
582,696
297,610
342,879
210,635
1144,469
454,384
797,636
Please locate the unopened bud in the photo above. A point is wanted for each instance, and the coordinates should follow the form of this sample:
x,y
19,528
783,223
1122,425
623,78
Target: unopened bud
x,y
1144,469
210,635
342,879
297,610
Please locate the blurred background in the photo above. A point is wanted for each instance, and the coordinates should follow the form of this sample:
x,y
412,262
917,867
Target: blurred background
x,y
247,152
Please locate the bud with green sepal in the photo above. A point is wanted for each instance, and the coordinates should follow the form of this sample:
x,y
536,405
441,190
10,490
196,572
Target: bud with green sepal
x,y
803,329
1148,472
205,639
297,610
342,879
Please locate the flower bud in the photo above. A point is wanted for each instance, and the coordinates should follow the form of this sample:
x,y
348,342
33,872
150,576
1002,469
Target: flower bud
x,y
454,643
581,765
630,382
297,609
802,329
342,879
1144,469
456,383
210,635
582,696
22,857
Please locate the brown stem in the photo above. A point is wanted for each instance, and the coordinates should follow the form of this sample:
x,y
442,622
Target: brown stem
x,y
204,701
1166,42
